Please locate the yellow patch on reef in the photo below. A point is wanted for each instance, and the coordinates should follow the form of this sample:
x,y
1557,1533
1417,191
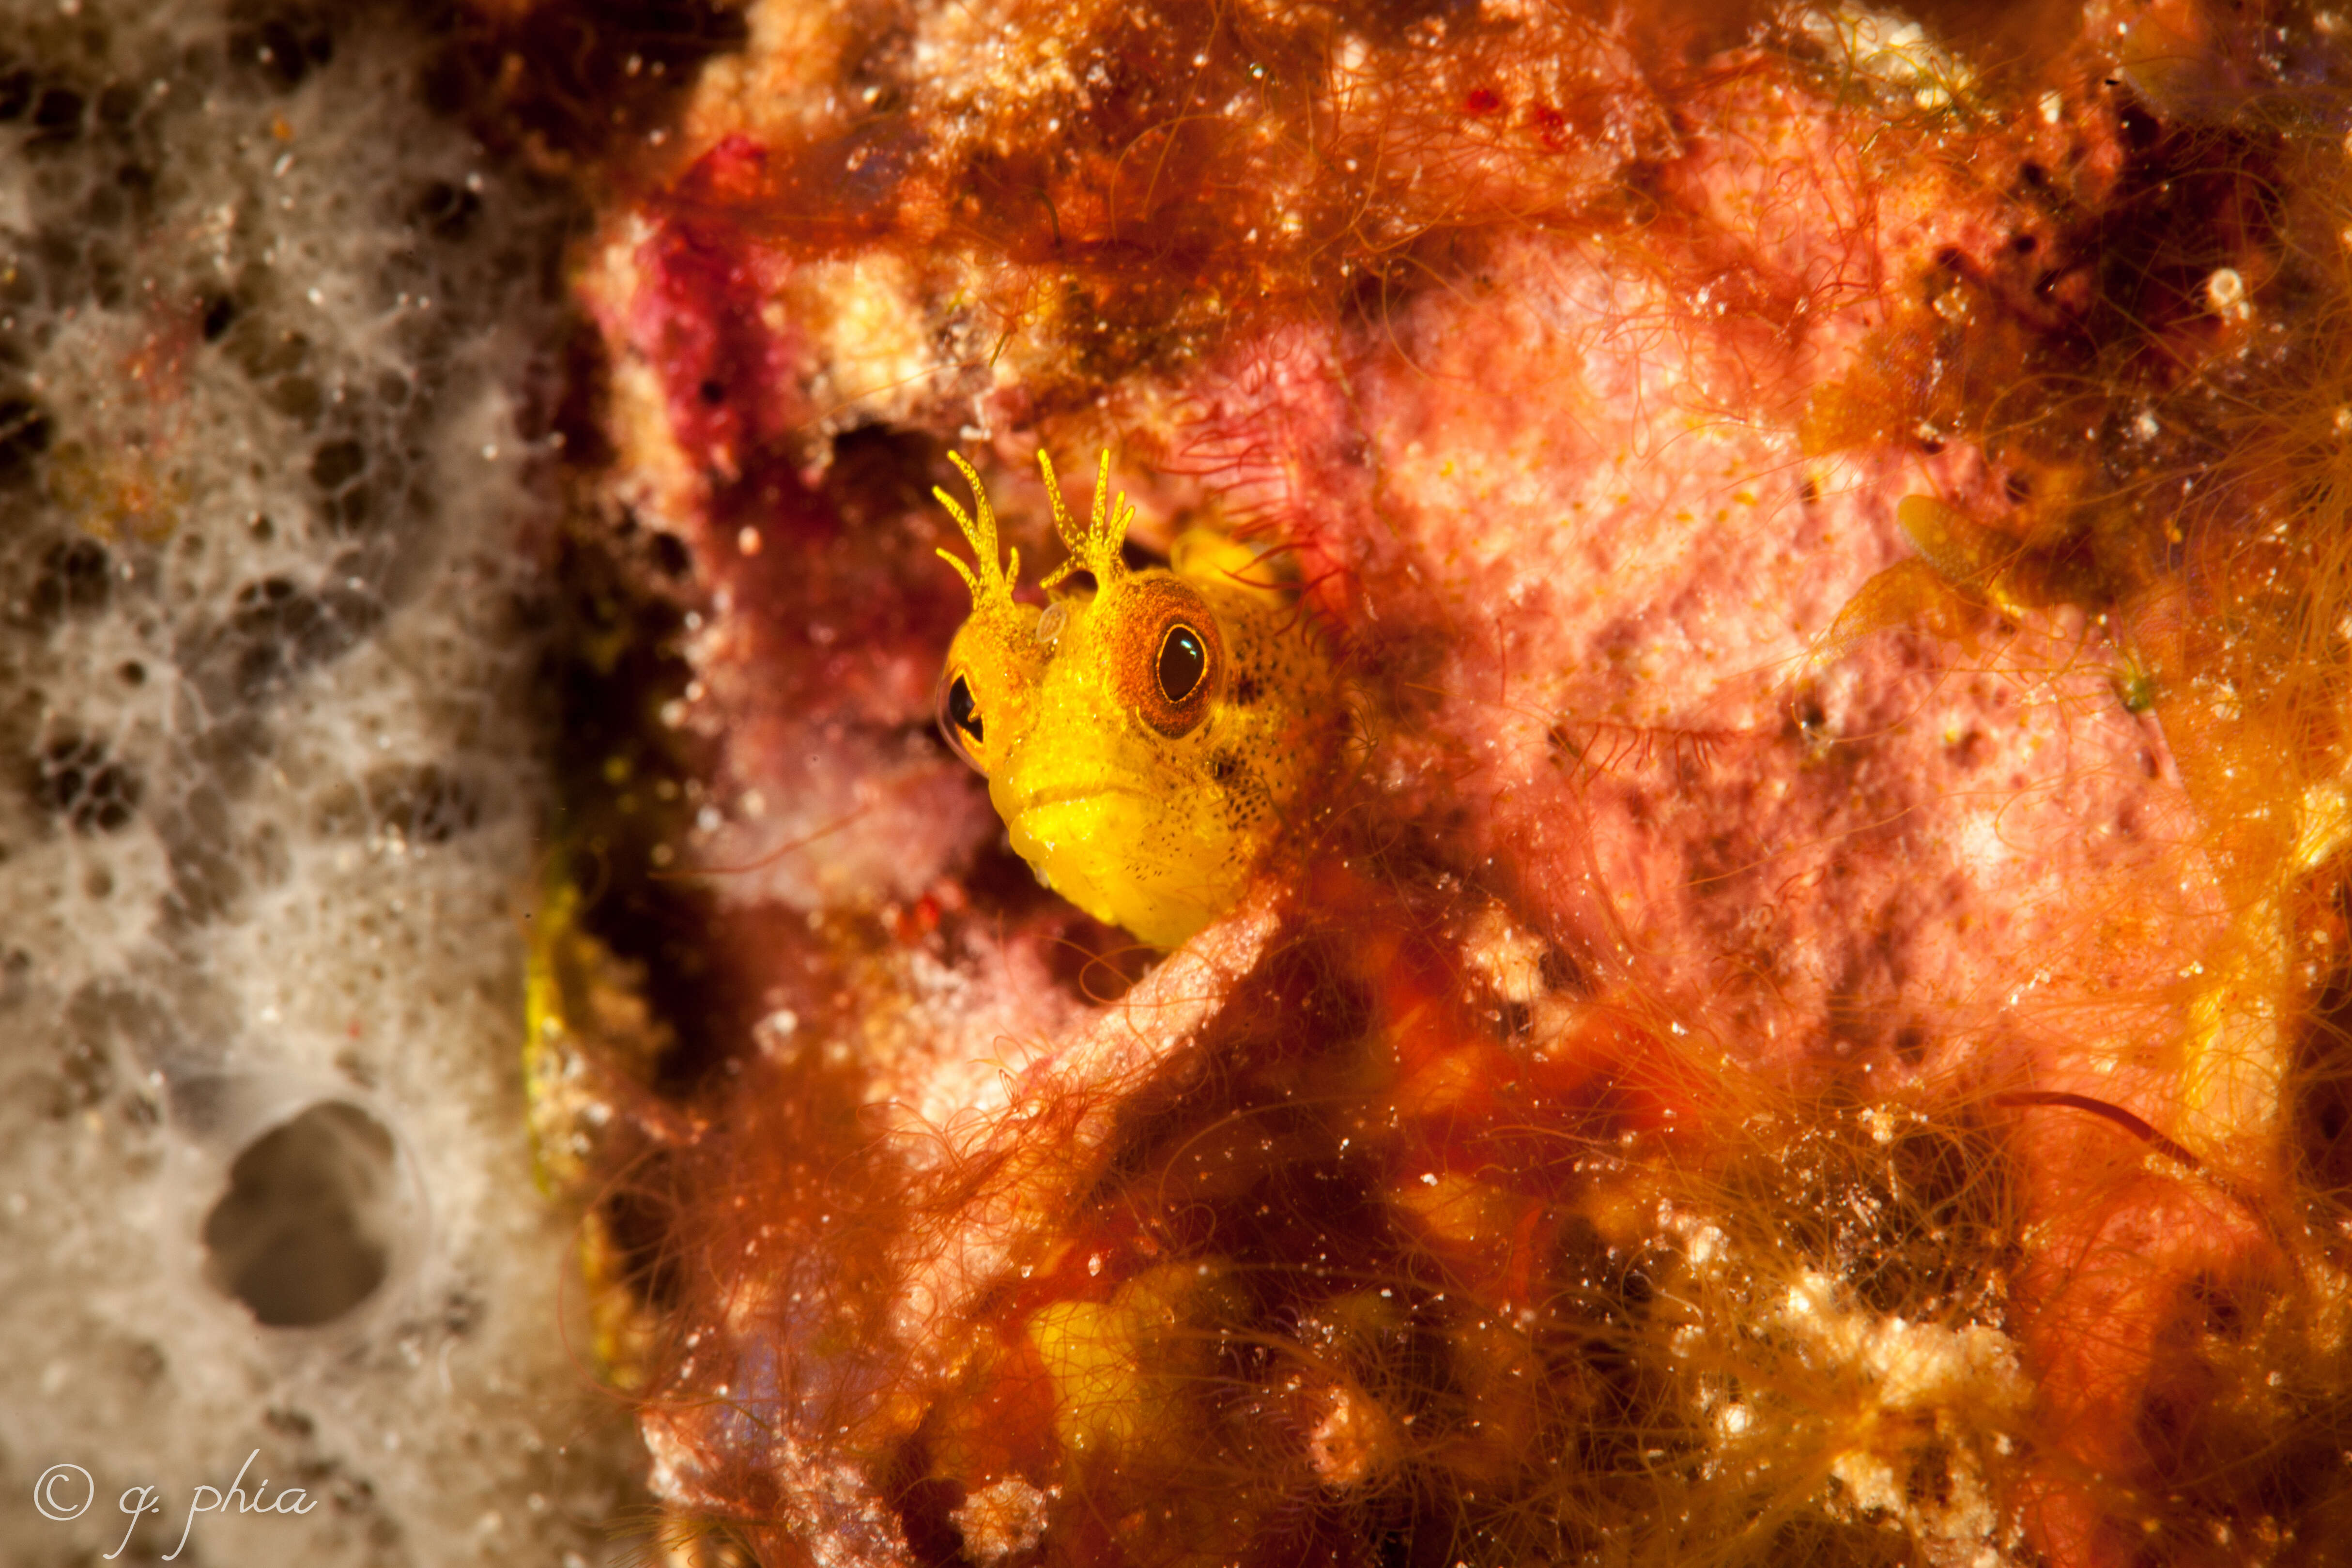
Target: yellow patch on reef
x,y
1118,1367
581,1001
1144,734
119,495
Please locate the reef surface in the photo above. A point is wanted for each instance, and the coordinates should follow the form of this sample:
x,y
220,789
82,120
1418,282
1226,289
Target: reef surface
x,y
1802,1027
280,337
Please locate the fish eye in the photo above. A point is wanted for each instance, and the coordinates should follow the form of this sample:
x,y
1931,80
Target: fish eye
x,y
1171,657
960,718
1184,662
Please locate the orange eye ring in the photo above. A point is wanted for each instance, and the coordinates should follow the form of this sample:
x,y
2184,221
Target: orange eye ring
x,y
1171,663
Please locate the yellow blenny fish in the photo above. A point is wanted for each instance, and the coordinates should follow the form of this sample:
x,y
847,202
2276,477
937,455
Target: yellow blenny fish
x,y
1143,738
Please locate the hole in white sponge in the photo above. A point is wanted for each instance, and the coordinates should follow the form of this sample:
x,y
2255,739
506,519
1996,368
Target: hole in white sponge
x,y
305,1232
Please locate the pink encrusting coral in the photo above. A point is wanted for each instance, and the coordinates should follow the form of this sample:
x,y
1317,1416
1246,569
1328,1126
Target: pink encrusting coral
x,y
1756,1050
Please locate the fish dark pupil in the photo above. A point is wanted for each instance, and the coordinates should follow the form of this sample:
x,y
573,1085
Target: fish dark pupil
x,y
1183,663
962,712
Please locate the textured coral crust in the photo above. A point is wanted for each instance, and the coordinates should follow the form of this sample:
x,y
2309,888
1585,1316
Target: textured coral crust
x,y
1803,1028
275,472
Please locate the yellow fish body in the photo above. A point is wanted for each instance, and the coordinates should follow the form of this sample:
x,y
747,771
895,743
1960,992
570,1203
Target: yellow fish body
x,y
1144,738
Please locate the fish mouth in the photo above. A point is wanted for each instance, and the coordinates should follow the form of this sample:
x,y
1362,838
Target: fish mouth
x,y
1064,794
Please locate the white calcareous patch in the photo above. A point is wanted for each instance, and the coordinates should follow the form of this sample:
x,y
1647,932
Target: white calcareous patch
x,y
1000,1519
269,800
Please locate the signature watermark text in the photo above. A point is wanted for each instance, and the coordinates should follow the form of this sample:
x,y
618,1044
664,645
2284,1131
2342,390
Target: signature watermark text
x,y
66,1491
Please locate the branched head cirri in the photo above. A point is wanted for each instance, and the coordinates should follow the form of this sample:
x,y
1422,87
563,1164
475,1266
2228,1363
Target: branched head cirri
x,y
1145,732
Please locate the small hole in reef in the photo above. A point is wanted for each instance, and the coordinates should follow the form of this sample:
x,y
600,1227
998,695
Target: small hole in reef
x,y
24,436
304,1233
118,105
75,778
284,43
424,805
75,578
335,464
445,211
57,117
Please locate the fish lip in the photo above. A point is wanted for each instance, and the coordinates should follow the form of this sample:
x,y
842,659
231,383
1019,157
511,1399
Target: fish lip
x,y
1064,794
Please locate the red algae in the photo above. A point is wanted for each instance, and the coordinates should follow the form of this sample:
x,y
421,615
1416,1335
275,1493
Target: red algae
x,y
1806,1024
